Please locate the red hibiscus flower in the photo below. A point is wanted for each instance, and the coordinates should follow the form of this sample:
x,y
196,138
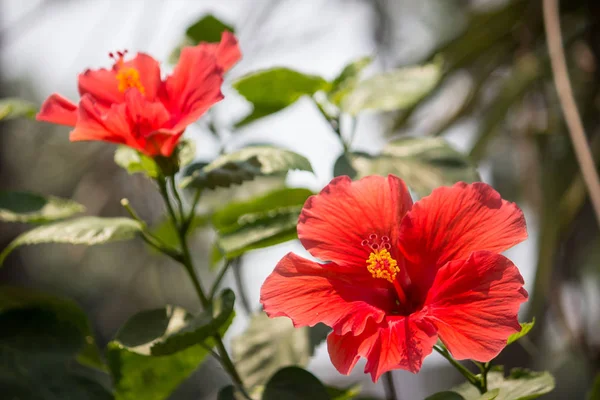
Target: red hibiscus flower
x,y
130,104
402,275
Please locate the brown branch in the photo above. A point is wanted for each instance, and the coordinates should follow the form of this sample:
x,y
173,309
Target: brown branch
x,y
567,102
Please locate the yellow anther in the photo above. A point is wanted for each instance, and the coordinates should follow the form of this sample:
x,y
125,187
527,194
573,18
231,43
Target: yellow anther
x,y
129,78
381,265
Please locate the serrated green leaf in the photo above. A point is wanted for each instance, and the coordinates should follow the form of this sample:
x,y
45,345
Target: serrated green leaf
x,y
84,230
198,329
447,395
267,345
346,81
274,89
137,376
34,208
423,163
139,372
293,383
238,214
133,162
525,328
521,384
207,29
14,108
393,90
244,165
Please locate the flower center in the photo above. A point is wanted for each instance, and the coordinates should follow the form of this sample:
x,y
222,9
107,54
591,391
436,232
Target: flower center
x,y
380,262
127,77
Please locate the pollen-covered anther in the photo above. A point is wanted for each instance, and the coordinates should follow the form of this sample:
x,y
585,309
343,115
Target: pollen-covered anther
x,y
380,263
127,77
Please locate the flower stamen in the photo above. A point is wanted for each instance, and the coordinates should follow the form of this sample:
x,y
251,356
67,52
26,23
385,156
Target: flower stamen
x,y
127,77
380,263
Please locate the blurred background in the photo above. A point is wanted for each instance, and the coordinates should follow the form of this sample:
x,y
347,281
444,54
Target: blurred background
x,y
496,102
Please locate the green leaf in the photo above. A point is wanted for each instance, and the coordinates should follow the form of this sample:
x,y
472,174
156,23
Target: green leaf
x,y
267,345
239,214
185,152
200,328
521,384
34,208
14,108
394,90
272,90
133,161
16,298
448,395
293,383
348,393
424,163
37,358
166,232
207,29
84,230
140,371
261,222
525,328
346,81
343,166
244,165
138,376
594,393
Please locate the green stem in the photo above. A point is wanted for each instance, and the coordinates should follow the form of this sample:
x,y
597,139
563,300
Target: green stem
x,y
177,199
190,218
219,278
204,300
472,379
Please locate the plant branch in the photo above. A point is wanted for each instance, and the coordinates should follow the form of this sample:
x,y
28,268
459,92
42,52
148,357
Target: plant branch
x,y
390,388
237,276
219,278
473,380
177,199
567,102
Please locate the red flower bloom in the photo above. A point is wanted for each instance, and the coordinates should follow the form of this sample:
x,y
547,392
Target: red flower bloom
x,y
130,104
402,275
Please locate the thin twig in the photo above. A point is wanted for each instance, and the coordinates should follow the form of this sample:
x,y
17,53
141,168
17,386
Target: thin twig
x,y
390,388
239,282
567,102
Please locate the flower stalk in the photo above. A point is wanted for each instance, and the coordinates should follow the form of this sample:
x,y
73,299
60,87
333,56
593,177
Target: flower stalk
x,y
181,226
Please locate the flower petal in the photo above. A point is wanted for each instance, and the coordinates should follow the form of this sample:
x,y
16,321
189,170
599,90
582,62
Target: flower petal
x,y
194,86
102,84
149,70
454,221
228,52
58,110
100,123
309,293
396,343
474,305
333,223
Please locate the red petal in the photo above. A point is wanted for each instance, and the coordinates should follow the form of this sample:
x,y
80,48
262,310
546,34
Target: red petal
x,y
228,51
194,86
474,305
309,293
333,223
454,221
58,110
149,70
99,123
102,84
397,343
